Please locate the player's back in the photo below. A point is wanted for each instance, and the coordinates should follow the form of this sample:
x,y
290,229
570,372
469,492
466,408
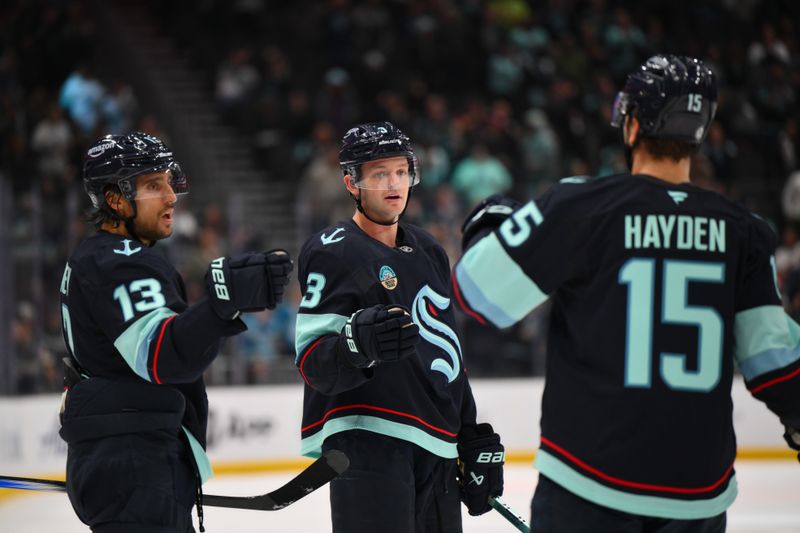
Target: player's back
x,y
646,279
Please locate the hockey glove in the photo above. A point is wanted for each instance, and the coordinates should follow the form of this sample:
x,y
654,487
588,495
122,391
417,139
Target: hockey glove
x,y
378,334
480,474
487,215
792,437
247,282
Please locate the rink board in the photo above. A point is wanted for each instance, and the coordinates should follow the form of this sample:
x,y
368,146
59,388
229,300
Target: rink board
x,y
257,428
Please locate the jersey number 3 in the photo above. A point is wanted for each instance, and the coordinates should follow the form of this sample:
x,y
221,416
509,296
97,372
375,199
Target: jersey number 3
x,y
639,275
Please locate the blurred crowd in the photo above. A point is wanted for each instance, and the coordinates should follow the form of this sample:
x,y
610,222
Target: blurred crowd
x,y
502,96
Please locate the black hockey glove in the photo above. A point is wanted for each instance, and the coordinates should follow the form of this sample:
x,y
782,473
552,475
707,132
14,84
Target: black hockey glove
x,y
378,334
247,282
487,215
792,437
480,473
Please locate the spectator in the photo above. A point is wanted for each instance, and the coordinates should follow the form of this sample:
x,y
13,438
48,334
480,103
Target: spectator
x,y
480,175
52,141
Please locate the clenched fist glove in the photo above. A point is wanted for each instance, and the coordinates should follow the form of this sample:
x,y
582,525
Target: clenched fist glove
x,y
378,334
480,474
792,437
487,215
247,282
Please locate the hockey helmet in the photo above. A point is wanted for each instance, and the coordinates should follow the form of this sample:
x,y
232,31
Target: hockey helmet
x,y
674,97
369,142
119,159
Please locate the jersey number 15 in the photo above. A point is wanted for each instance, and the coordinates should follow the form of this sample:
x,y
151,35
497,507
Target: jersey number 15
x,y
639,276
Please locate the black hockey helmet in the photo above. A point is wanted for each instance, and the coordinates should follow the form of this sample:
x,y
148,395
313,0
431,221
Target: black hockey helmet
x,y
674,97
118,159
376,140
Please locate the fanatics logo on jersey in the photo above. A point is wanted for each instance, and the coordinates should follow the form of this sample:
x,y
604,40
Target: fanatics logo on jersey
x,y
388,278
677,196
406,249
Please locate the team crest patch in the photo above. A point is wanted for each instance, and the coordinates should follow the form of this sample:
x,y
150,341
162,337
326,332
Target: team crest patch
x,y
388,278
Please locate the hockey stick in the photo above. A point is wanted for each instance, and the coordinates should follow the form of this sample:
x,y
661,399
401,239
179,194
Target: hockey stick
x,y
509,514
331,464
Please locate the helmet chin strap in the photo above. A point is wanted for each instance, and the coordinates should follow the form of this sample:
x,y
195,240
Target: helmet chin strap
x,y
127,221
357,199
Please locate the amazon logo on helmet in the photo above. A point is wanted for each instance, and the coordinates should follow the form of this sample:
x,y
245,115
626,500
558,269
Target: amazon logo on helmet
x,y
673,97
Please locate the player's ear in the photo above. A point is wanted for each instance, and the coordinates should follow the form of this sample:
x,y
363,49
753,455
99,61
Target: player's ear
x,y
631,130
116,201
350,183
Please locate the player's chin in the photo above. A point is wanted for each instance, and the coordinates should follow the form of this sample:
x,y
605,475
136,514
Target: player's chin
x,y
164,231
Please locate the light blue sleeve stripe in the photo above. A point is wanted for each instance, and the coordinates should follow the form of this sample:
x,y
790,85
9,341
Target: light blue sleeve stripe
x,y
494,284
589,489
310,327
476,300
134,343
766,339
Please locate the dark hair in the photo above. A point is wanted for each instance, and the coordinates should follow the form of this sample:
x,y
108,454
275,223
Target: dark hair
x,y
100,215
662,148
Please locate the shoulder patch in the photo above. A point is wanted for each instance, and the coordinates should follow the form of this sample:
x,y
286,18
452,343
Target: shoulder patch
x,y
126,248
333,237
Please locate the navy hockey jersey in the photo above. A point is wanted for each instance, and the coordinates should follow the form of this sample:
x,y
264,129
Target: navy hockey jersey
x,y
125,318
423,399
656,288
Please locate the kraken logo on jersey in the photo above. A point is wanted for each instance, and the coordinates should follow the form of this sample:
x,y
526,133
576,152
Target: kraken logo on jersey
x,y
437,332
388,278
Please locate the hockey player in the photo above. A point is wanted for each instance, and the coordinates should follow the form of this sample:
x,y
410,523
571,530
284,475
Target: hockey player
x,y
656,286
382,362
135,410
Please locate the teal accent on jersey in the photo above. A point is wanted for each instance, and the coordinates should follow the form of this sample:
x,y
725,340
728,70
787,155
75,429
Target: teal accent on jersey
x,y
310,327
312,446
589,489
200,457
574,179
134,343
766,340
494,285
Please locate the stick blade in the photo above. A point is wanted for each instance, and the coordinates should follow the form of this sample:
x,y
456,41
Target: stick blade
x,y
323,470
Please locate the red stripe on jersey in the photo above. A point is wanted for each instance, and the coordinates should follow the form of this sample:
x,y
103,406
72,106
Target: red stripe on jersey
x,y
382,410
158,349
303,360
775,381
634,484
431,310
463,304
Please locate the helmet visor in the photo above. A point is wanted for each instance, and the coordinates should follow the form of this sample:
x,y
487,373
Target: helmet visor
x,y
159,182
387,174
620,109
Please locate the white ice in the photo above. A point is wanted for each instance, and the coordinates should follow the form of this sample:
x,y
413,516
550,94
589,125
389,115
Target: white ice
x,y
769,501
